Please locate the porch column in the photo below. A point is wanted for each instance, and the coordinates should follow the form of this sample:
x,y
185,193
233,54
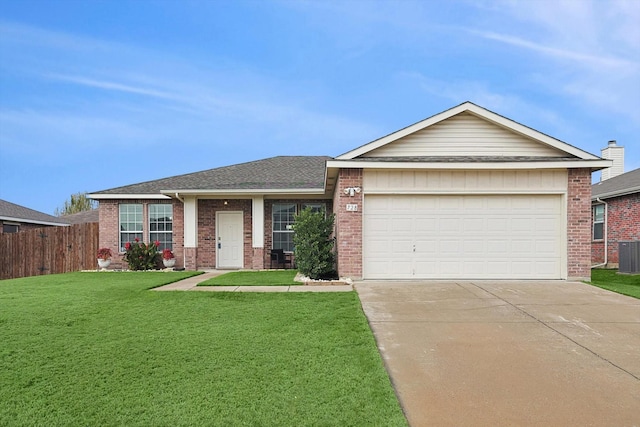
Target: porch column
x,y
190,232
257,231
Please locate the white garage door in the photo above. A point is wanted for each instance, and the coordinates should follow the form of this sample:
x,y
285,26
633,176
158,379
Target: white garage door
x,y
462,237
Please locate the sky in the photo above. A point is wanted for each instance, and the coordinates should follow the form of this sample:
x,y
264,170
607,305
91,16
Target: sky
x,y
99,94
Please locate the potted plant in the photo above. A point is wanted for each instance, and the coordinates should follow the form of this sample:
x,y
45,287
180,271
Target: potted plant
x,y
168,259
104,258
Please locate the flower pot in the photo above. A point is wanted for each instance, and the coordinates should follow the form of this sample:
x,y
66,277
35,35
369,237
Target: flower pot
x,y
168,263
103,263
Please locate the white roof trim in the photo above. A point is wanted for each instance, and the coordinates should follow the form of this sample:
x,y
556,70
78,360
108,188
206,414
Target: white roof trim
x,y
32,221
593,164
98,196
166,194
617,193
255,192
477,111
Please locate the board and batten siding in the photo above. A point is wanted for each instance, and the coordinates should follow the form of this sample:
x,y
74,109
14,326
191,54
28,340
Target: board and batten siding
x,y
539,181
465,135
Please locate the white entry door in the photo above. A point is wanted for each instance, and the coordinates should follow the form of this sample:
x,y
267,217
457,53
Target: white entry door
x,y
229,242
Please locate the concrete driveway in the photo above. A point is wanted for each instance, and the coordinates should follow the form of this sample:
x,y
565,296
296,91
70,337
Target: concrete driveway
x,y
517,353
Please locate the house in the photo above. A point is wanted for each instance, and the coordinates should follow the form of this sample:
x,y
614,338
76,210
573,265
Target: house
x,y
83,217
15,218
615,210
464,194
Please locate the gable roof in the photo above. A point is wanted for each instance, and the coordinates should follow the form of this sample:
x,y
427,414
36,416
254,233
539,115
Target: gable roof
x,y
82,217
12,212
480,113
275,174
626,183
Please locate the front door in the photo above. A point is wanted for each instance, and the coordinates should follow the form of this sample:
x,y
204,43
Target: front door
x,y
229,244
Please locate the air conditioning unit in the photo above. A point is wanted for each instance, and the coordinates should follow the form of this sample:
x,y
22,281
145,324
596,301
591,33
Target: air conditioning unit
x,y
629,257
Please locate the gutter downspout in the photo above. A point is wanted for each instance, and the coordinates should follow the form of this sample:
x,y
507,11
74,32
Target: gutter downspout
x,y
604,233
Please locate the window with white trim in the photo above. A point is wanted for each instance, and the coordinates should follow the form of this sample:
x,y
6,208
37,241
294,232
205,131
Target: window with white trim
x,y
598,222
130,224
283,216
161,225
315,207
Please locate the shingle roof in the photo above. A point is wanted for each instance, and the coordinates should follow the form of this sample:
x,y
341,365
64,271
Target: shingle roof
x,y
279,173
82,217
627,183
12,212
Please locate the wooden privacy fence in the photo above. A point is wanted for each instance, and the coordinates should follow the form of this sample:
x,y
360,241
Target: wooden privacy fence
x,y
48,250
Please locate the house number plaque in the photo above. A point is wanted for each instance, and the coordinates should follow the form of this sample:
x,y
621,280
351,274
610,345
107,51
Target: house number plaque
x,y
352,207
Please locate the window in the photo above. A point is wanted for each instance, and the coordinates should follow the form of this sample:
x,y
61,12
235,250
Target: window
x,y
598,222
315,207
161,225
10,228
283,217
130,224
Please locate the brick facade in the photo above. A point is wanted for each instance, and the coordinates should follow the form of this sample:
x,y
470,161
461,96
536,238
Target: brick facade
x,y
204,256
349,224
623,224
109,214
22,226
579,224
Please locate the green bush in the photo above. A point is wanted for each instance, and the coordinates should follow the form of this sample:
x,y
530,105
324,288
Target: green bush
x,y
314,253
141,256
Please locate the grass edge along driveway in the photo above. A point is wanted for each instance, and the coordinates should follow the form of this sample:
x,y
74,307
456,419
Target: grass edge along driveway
x,y
624,284
100,349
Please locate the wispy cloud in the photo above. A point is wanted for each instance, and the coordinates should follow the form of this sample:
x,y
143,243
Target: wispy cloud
x,y
592,60
108,85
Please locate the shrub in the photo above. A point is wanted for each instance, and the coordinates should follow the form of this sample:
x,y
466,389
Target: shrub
x,y
314,245
140,256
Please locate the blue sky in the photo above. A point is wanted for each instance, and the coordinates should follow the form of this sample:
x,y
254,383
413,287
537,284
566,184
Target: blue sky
x,y
98,94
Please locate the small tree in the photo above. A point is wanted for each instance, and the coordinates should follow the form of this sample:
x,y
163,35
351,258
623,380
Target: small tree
x,y
78,202
314,245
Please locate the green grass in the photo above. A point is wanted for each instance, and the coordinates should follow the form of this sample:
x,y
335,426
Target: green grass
x,y
100,349
621,283
254,278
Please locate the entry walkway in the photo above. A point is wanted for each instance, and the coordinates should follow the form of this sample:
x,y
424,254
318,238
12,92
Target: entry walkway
x,y
191,284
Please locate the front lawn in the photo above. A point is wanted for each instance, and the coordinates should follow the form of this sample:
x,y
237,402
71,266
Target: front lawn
x,y
100,349
254,278
621,283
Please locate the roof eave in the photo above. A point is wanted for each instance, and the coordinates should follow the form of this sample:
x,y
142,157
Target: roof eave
x,y
144,196
617,193
245,192
33,221
594,165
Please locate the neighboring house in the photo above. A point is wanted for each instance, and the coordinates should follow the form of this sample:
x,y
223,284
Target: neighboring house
x,y
616,216
464,194
83,217
15,218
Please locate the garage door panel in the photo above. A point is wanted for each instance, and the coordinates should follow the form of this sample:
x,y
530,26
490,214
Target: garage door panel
x,y
401,225
465,236
473,247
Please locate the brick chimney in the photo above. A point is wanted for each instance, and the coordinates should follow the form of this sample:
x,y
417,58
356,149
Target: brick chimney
x,y
616,153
